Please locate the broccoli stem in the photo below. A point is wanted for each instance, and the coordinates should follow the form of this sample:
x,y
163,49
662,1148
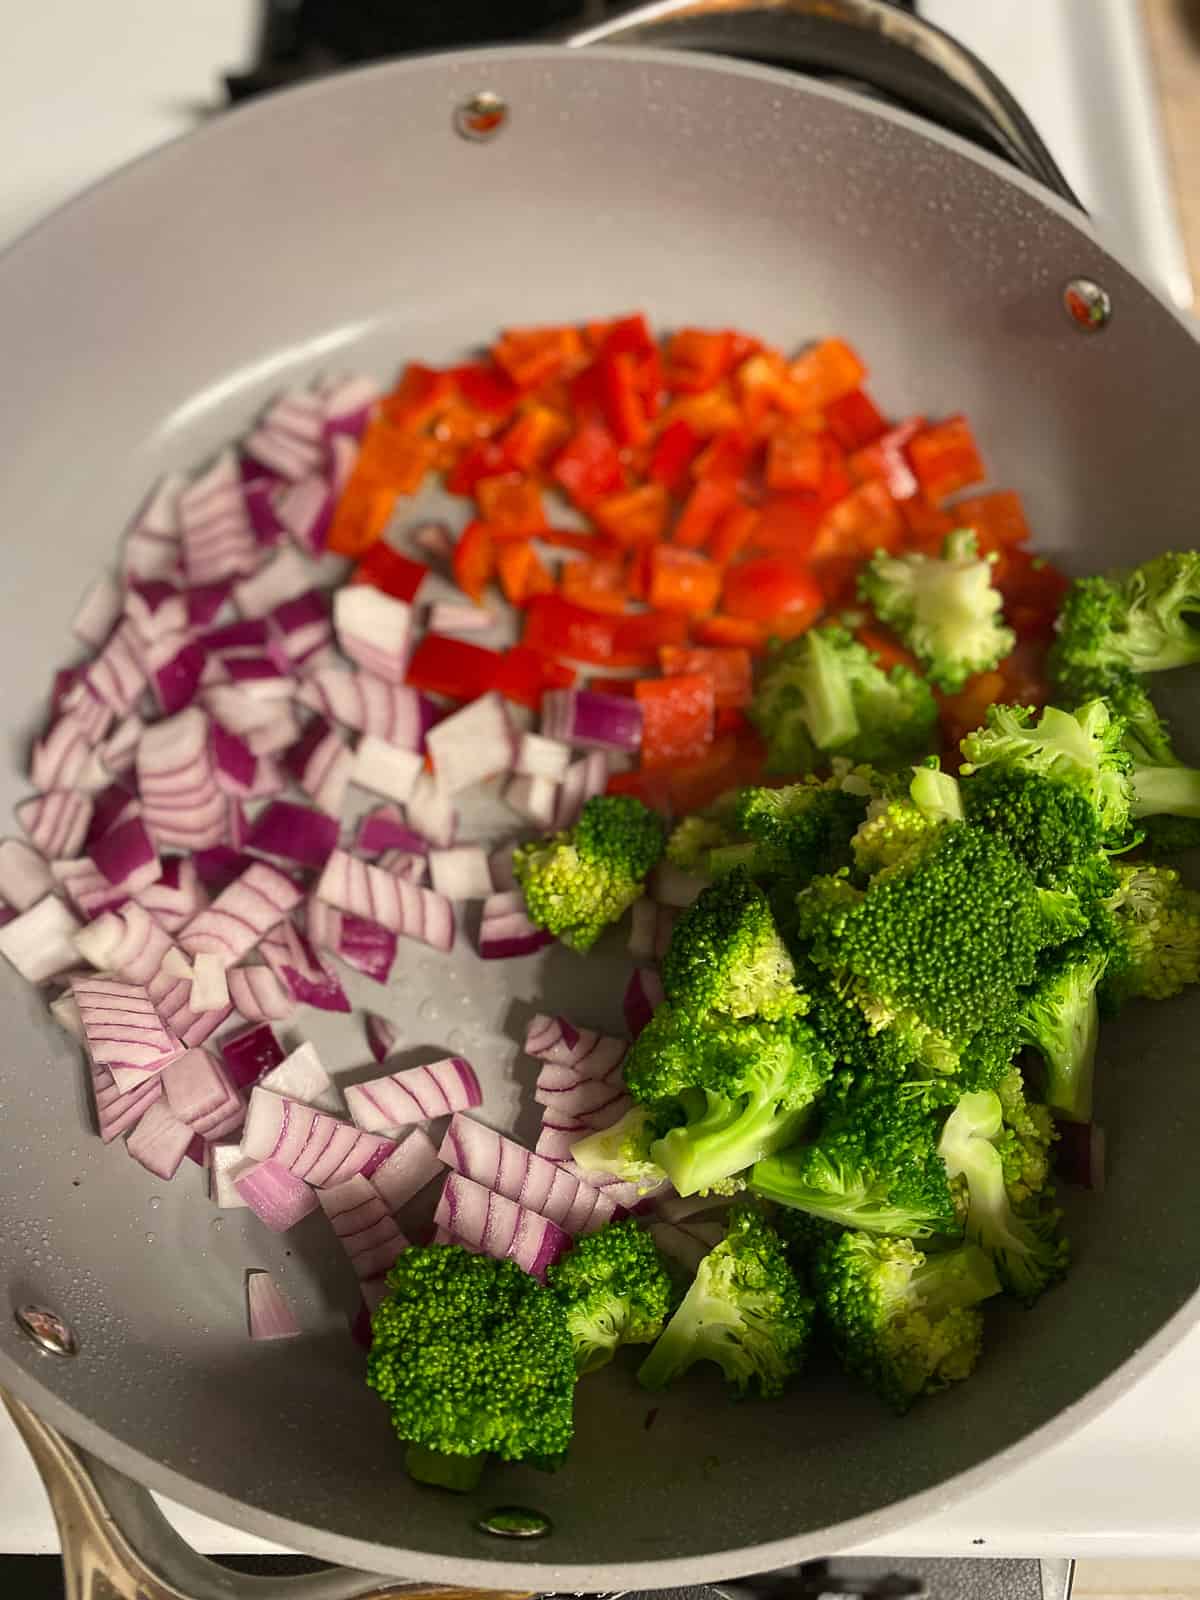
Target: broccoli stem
x,y
727,1139
862,1205
696,1325
460,1473
1166,791
1071,1059
948,1282
829,702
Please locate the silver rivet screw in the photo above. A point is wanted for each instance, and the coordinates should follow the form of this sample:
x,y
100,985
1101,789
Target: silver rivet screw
x,y
515,1522
47,1330
1088,305
481,117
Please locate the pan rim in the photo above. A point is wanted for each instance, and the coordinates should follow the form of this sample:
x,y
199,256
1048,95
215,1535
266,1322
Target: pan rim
x,y
393,1560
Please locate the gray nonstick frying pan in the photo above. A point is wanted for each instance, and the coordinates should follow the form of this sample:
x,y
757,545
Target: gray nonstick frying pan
x,y
349,223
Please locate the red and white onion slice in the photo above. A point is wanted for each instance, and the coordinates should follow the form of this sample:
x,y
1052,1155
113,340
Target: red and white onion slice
x,y
24,875
431,811
496,1226
462,873
284,577
366,1228
251,1053
560,1132
383,829
172,999
349,404
472,744
181,802
585,779
216,539
152,542
506,931
540,757
65,758
584,718
374,630
449,617
117,1112
241,914
415,1095
116,676
321,763
301,1076
199,1091
159,1141
381,1035
98,612
315,1146
643,921
111,806
394,711
40,942
56,822
535,799
367,946
123,1030
507,1168
210,991
268,1315
643,995
1079,1154
127,857
224,1163
177,895
304,628
689,1242
305,508
127,942
258,995
117,753
294,833
414,1163
384,768
587,1053
405,864
578,1098
406,908
294,961
277,1197
85,887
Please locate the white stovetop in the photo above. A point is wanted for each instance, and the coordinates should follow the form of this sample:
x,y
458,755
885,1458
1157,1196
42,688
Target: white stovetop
x,y
85,86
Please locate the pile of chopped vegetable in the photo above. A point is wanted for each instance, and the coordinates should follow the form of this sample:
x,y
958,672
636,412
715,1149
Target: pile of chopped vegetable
x,y
882,798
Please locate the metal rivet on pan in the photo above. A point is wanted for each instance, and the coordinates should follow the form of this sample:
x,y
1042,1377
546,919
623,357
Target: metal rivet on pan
x,y
515,1522
482,116
47,1330
1088,305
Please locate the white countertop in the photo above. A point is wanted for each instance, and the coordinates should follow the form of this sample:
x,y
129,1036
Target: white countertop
x,y
85,86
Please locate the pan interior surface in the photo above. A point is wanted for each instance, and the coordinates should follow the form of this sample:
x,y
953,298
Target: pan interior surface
x,y
347,224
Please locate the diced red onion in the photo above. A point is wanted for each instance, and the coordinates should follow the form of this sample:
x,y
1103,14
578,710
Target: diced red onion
x,y
643,995
416,1095
366,946
66,1013
267,726
181,802
241,914
111,806
65,758
374,630
580,1100
381,1035
260,677
224,1163
500,862
432,812
122,1029
117,676
268,1315
305,509
91,715
370,892
40,943
217,867
535,799
540,757
260,496
199,1091
472,743
296,964
556,1082
127,857
664,926
587,1053
117,752
394,711
156,610
366,1228
177,895
349,403
235,766
643,920
209,988
172,1000
688,1243
1079,1154
384,828
405,864
561,1132
301,1076
216,538
174,666
584,780
160,1141
294,833
384,768
251,1052
152,543
672,886
99,611
303,625
85,886
276,1196
313,1145
117,1112
592,721
258,995
625,1196
204,601
461,874
448,617
321,763
414,1163
127,942
56,822
510,934
248,636
499,1227
290,457
507,1168
434,539
286,576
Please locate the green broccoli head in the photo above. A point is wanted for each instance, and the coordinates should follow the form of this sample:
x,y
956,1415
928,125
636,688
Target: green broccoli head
x,y
1083,750
614,1289
1135,621
473,1358
824,694
744,1089
577,883
1052,827
874,1166
746,1311
904,1323
692,840
1022,1241
801,828
725,955
905,821
623,1150
1026,1142
946,609
1157,925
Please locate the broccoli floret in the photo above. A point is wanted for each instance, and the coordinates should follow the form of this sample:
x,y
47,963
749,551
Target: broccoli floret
x,y
744,1087
623,1150
946,609
945,937
904,1323
1164,838
725,955
895,826
1023,1243
1026,1141
473,1358
691,841
614,1289
1135,621
746,1311
1059,1018
1157,922
875,1165
824,694
800,829
578,882
1052,827
1083,750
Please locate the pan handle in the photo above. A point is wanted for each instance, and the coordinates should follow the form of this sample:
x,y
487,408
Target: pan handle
x,y
117,1545
873,43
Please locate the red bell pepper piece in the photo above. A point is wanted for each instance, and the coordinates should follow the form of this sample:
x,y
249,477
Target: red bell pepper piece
x,y
729,668
533,356
421,393
486,387
532,437
945,458
886,648
734,632
602,683
360,517
633,517
998,520
867,520
629,336
733,531
524,675
795,459
637,639
728,456
452,667
788,523
884,458
696,359
673,453
772,590
386,569
677,718
725,765
511,504
522,573
557,628
925,526
703,508
681,580
595,585
1033,591
484,459
621,397
854,420
474,560
588,466
825,373
652,788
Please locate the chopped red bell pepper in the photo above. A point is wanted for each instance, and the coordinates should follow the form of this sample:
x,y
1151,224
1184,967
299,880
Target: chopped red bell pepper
x,y
867,520
926,526
885,647
788,524
474,560
674,451
1033,591
486,387
704,507
595,585
729,669
782,594
360,517
637,639
854,420
735,632
728,456
795,459
532,438
633,517
392,458
652,788
998,520
696,359
484,459
677,718
557,628
826,372
629,336
533,356
522,573
453,667
725,765
602,683
421,393
706,414
395,574
885,458
733,531
511,504
945,458
732,719
524,675
588,466
681,580
621,396
965,711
